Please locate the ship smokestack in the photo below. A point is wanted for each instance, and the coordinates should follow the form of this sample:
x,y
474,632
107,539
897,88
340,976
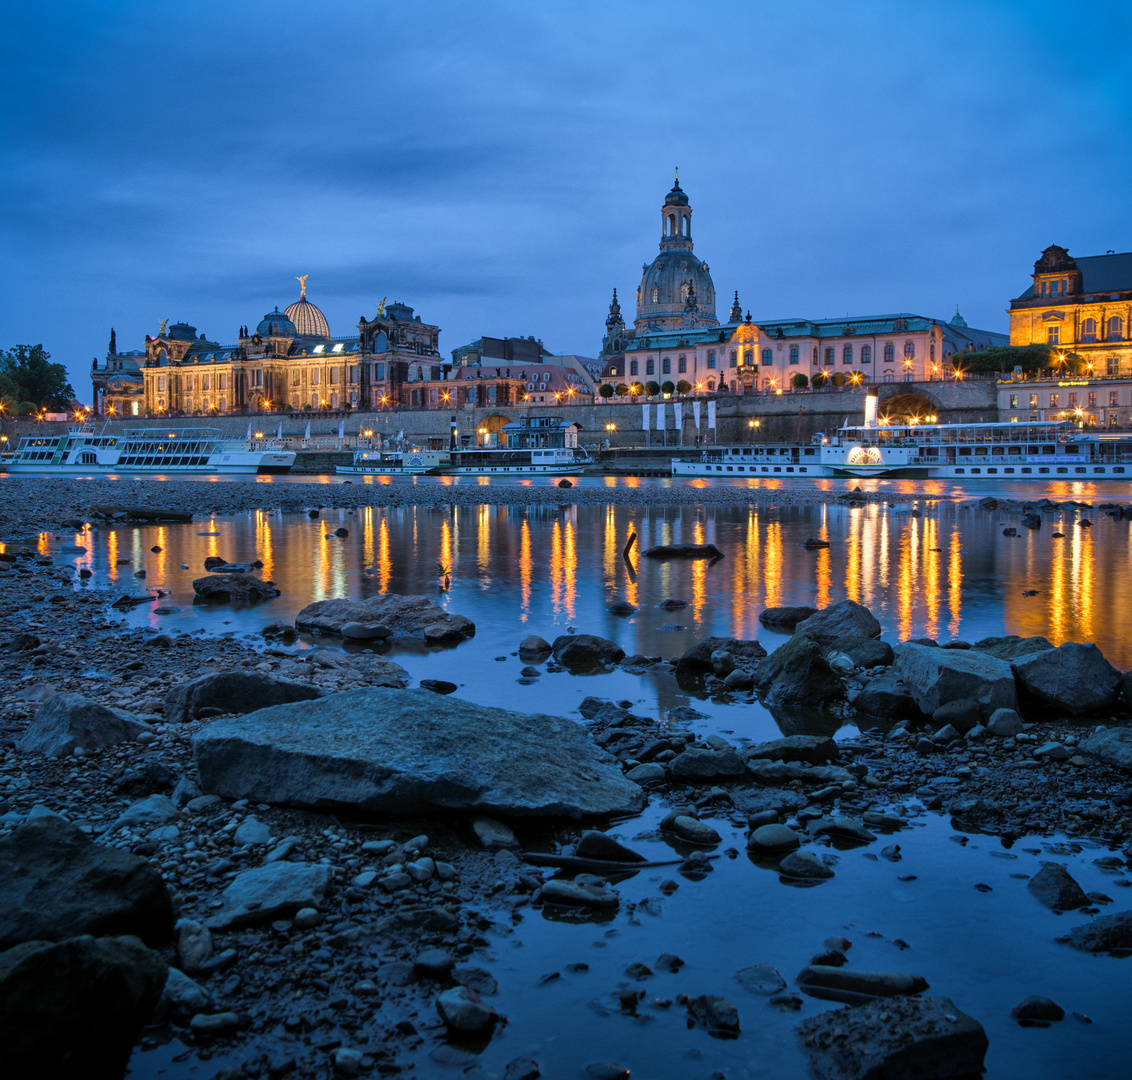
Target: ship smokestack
x,y
453,435
871,408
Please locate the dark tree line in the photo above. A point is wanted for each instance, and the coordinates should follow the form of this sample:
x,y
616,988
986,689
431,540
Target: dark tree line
x,y
30,382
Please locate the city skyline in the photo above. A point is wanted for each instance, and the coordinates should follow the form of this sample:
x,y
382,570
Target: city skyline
x,y
501,170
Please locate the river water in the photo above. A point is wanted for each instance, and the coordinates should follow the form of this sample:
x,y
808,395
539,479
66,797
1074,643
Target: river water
x,y
949,573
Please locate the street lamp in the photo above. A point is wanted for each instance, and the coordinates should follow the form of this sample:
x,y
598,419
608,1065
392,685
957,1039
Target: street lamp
x,y
752,427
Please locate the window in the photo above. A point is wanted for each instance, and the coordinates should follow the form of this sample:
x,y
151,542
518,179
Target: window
x,y
815,355
666,366
650,366
847,354
889,352
380,371
633,367
223,404
353,370
1072,401
749,357
1033,401
1089,330
866,354
1115,328
314,376
682,364
1114,397
793,354
189,383
829,357
1053,334
160,382
257,377
295,377
909,350
734,358
1092,399
655,295
1014,401
711,358
221,381
1053,401
206,382
333,376
931,352
768,358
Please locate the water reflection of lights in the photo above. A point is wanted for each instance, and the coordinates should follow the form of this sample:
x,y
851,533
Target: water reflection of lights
x,y
954,580
525,570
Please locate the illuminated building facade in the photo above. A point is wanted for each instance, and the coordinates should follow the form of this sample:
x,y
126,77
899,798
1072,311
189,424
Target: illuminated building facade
x,y
290,362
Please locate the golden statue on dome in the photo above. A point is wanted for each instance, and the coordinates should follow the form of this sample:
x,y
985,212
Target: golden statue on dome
x,y
302,286
381,306
164,323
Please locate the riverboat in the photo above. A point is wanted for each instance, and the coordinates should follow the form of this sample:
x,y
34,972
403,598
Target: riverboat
x,y
83,451
369,461
1048,449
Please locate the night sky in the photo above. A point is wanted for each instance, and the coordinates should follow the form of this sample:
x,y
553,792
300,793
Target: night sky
x,y
500,166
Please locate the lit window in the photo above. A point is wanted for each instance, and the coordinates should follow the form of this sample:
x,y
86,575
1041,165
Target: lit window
x,y
909,350
1033,401
655,295
1092,399
1053,400
1114,397
318,349
1115,328
1053,334
1014,401
1072,400
1089,330
339,347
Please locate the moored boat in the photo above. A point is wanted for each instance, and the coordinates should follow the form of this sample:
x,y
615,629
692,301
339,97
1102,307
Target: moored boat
x,y
82,451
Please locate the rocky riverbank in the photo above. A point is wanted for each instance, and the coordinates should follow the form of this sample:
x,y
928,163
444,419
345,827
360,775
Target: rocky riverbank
x,y
341,938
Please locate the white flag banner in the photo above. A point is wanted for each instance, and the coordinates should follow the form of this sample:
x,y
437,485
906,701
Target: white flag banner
x,y
696,413
307,433
678,412
711,414
279,434
249,434
660,416
644,418
341,429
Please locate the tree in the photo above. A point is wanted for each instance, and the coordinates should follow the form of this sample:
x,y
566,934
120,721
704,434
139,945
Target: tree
x,y
622,389
799,381
1007,357
27,374
636,389
653,387
683,386
668,387
605,390
839,378
820,378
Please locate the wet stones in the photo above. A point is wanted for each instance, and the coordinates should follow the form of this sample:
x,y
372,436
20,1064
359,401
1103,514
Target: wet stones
x,y
66,722
785,618
1005,723
761,979
236,692
586,652
812,749
797,675
603,848
816,977
699,765
696,662
493,835
534,650
1038,1012
405,617
579,893
1108,933
773,840
716,1013
57,884
844,619
1055,888
1073,678
903,1037
234,589
934,676
804,866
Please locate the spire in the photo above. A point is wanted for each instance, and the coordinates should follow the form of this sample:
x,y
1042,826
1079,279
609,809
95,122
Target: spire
x,y
957,319
614,311
113,341
736,311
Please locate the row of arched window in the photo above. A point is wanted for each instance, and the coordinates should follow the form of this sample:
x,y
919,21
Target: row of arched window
x,y
1114,329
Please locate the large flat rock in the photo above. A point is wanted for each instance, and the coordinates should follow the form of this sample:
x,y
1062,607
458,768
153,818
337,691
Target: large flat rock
x,y
1112,747
57,883
408,751
402,616
1072,678
233,692
936,676
65,722
844,619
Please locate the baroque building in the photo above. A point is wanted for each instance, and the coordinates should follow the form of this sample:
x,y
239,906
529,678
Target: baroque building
x,y
290,362
677,338
1077,305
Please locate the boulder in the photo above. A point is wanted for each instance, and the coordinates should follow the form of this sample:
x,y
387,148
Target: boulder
x,y
602,847
697,662
865,652
75,1008
464,1012
583,652
267,892
405,617
936,676
66,722
804,866
1005,723
408,751
716,1013
1072,678
1054,886
683,551
233,692
813,749
1112,747
533,649
1012,647
359,631
234,589
57,884
1038,1011
871,983
773,840
579,894
1104,934
961,713
698,765
786,618
895,1039
845,619
797,675
887,698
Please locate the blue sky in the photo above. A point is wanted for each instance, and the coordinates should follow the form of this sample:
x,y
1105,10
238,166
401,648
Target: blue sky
x,y
500,166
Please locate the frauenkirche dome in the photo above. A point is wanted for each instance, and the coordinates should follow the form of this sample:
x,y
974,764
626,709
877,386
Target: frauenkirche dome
x,y
308,319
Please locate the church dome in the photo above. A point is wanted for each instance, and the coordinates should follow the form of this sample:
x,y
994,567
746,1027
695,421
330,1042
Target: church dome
x,y
309,320
676,196
277,324
664,287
